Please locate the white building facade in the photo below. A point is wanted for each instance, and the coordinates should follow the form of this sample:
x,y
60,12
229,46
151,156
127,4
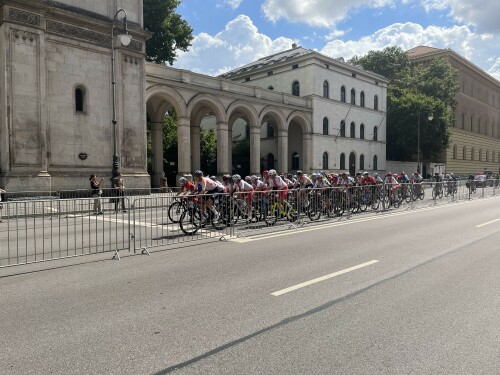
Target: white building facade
x,y
348,107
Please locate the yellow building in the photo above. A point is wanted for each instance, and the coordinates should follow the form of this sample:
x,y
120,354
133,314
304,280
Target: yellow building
x,y
475,135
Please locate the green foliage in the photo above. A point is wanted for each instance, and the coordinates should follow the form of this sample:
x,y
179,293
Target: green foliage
x,y
415,93
208,151
170,31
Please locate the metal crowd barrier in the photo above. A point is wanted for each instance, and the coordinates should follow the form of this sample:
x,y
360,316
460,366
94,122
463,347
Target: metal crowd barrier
x,y
46,229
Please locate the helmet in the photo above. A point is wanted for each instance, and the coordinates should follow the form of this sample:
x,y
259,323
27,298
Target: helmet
x,y
388,174
182,180
236,177
289,175
358,173
272,172
198,173
294,176
447,175
253,177
265,172
415,173
226,177
300,173
248,178
365,174
213,178
375,175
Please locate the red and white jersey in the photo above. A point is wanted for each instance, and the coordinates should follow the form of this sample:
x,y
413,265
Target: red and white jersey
x,y
258,185
344,181
188,187
278,183
368,180
242,185
390,180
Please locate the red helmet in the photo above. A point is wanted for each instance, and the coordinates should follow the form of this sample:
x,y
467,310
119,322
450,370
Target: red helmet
x,y
389,174
265,172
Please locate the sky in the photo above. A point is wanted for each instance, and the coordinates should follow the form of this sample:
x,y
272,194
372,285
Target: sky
x,y
231,33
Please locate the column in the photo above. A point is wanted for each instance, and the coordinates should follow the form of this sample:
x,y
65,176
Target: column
x,y
222,148
183,146
157,146
195,147
255,150
306,163
230,149
282,151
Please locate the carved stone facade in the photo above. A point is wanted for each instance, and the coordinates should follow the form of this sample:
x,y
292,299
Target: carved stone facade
x,y
54,55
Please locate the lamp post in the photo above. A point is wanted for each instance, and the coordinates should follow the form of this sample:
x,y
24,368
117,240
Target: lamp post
x,y
125,40
418,139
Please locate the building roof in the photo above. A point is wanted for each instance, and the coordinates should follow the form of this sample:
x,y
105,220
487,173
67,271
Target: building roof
x,y
291,54
422,51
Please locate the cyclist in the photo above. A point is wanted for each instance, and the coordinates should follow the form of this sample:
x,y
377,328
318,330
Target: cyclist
x,y
277,183
391,184
205,188
245,191
227,181
378,178
186,187
416,178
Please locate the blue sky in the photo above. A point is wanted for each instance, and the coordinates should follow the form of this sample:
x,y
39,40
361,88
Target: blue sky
x,y
231,33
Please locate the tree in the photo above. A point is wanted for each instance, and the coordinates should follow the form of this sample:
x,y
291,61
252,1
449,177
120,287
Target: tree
x,y
208,151
413,93
170,31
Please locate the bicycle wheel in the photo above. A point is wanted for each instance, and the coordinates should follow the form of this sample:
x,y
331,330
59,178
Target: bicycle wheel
x,y
398,199
314,212
375,202
218,221
440,193
190,222
175,211
364,200
291,213
271,215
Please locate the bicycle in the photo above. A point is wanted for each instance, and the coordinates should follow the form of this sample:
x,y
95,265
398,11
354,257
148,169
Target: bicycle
x,y
193,218
276,209
437,191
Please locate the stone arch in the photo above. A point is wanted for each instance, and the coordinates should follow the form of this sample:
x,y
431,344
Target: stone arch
x,y
206,103
302,119
276,114
157,96
242,109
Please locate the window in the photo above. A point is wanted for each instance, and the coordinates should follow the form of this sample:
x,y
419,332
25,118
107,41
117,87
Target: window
x,y
270,87
326,90
480,155
342,94
295,66
375,167
342,161
353,97
362,131
464,155
247,132
342,128
80,100
472,154
270,131
487,156
295,161
362,99
247,79
296,88
354,75
463,120
375,133
325,160
325,126
375,103
454,152
270,73
362,161
353,130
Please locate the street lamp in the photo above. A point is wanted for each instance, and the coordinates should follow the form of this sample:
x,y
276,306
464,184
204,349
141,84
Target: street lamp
x,y
125,39
418,139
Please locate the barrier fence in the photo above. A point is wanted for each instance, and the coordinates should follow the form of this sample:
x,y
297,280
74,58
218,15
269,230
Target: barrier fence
x,y
36,230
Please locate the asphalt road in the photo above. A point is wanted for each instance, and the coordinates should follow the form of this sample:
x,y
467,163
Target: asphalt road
x,y
412,292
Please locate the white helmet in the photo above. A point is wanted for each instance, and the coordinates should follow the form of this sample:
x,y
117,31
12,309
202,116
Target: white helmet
x,y
272,172
236,177
182,180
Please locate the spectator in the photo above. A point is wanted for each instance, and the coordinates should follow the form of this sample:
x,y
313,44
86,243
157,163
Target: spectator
x,y
96,193
120,192
1,206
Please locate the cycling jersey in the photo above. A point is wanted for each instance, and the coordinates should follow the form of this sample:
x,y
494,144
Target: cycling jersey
x,y
278,183
243,186
188,186
368,180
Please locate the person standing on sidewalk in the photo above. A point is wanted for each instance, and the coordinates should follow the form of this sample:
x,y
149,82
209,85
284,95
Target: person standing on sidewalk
x,y
96,193
1,207
120,192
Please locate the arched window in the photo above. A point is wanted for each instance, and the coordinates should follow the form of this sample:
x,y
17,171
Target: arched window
x,y
342,128
375,133
375,166
80,99
295,160
362,99
472,154
325,126
375,103
464,155
326,90
325,160
270,130
342,161
480,154
353,97
463,120
362,162
270,161
247,132
353,130
362,131
342,94
454,152
487,156
296,88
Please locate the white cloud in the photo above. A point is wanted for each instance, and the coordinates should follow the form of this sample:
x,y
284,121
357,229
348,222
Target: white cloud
x,y
473,46
234,4
238,44
323,13
481,14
